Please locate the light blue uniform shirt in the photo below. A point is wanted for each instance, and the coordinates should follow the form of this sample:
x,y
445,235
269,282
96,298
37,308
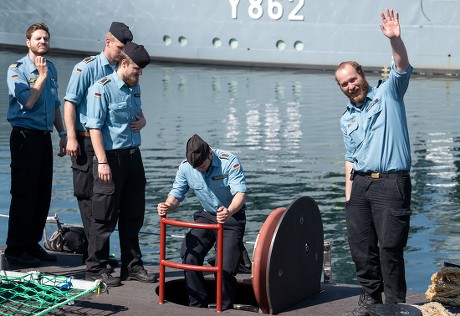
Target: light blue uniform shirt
x,y
376,136
112,106
21,77
84,74
213,188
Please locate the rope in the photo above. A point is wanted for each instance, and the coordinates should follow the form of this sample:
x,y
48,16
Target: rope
x,y
444,290
445,287
434,309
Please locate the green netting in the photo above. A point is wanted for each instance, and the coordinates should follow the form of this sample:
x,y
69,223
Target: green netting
x,y
35,293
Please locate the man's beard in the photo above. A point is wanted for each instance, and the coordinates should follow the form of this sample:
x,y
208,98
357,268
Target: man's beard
x,y
42,51
130,80
359,99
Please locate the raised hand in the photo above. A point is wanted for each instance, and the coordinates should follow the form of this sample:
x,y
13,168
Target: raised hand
x,y
390,24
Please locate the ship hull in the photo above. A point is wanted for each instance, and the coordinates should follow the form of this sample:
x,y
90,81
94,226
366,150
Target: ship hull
x,y
316,34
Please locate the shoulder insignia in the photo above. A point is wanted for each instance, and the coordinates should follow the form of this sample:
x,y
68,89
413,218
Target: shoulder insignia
x,y
184,161
104,80
137,95
237,166
89,59
14,65
224,155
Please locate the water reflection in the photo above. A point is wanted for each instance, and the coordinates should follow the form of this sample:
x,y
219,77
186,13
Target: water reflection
x,y
284,126
439,153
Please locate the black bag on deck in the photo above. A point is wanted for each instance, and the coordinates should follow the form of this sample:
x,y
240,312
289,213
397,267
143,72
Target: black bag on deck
x,y
68,239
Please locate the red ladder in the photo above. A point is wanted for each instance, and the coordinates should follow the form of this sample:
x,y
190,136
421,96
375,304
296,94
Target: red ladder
x,y
165,263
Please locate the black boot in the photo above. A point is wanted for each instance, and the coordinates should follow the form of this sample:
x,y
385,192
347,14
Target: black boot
x,y
365,300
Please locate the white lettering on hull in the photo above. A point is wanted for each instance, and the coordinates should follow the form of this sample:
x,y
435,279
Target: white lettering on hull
x,y
274,9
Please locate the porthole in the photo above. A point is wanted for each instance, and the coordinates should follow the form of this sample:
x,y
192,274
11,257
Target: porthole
x,y
233,43
183,41
167,40
217,42
281,45
298,46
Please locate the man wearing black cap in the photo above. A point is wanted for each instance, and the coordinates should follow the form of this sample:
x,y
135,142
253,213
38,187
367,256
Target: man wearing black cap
x,y
114,107
218,180
79,146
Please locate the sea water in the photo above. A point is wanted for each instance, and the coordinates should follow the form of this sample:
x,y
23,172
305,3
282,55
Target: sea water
x,y
284,127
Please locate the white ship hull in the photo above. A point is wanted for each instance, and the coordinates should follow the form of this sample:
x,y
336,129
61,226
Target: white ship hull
x,y
308,34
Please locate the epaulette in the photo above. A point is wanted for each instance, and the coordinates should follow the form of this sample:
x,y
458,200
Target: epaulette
x,y
104,80
225,155
184,161
15,65
89,59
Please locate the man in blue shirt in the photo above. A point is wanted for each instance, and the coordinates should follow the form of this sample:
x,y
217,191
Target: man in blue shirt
x,y
34,108
114,108
218,180
377,165
79,146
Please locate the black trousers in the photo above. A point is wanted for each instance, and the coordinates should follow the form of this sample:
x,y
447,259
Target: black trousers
x,y
31,184
196,245
121,201
82,170
378,220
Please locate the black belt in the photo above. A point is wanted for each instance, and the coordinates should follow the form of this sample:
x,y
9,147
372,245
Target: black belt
x,y
30,131
378,175
123,151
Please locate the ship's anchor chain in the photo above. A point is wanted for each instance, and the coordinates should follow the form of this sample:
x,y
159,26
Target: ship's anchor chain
x,y
444,290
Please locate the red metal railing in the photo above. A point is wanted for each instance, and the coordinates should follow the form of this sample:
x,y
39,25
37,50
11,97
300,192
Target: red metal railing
x,y
165,263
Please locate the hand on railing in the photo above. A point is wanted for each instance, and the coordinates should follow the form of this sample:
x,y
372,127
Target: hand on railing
x,y
162,209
